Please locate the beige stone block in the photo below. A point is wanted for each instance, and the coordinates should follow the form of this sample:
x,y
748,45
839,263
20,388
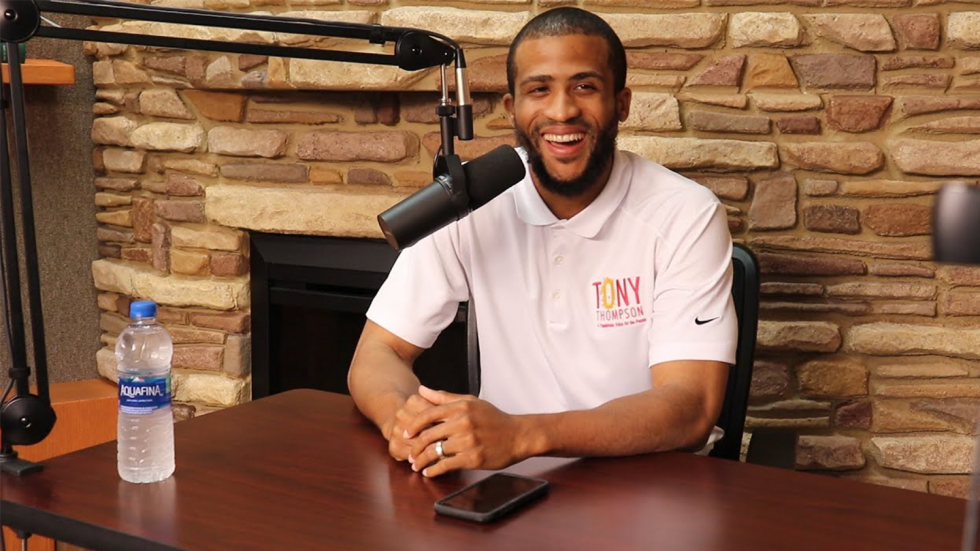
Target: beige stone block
x,y
242,142
107,301
168,136
209,388
693,153
232,322
203,357
653,112
103,199
681,30
833,453
384,147
814,336
927,309
950,125
837,157
921,371
865,32
116,217
238,355
304,210
188,263
467,26
926,454
786,102
943,390
123,160
113,130
112,323
214,238
826,379
893,339
735,101
139,281
765,30
193,335
936,158
963,30
882,290
105,361
893,416
163,103
889,188
787,422
127,72
912,250
330,75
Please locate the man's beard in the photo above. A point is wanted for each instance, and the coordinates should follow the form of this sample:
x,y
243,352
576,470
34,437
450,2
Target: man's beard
x,y
600,158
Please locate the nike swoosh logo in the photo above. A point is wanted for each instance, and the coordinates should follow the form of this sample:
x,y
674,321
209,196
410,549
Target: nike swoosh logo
x,y
702,322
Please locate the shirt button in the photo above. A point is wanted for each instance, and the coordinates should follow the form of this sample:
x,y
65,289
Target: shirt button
x,y
556,296
559,260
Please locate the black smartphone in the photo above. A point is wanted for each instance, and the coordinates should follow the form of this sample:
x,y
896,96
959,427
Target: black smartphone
x,y
492,497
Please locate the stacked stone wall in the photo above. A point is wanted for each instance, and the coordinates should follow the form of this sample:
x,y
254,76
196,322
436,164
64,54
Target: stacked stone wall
x,y
825,126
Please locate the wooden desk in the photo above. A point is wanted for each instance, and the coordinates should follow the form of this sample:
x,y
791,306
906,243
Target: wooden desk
x,y
302,470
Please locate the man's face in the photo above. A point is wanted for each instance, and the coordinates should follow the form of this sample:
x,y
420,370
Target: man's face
x,y
566,111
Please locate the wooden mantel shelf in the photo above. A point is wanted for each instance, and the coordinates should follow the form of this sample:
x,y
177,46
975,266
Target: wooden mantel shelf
x,y
43,71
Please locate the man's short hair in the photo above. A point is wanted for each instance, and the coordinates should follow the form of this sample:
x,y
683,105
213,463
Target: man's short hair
x,y
568,21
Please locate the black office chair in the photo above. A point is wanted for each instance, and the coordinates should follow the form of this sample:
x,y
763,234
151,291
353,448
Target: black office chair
x,y
745,294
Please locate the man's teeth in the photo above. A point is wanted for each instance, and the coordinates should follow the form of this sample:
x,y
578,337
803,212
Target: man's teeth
x,y
564,138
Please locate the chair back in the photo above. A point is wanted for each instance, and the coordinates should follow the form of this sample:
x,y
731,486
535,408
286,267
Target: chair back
x,y
745,294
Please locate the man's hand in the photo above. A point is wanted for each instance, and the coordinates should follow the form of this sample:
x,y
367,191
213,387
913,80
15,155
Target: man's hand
x,y
398,446
475,434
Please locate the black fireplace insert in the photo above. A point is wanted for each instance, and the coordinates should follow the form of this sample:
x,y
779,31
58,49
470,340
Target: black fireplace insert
x,y
309,295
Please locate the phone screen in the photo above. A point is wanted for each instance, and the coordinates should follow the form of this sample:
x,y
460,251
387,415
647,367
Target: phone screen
x,y
492,492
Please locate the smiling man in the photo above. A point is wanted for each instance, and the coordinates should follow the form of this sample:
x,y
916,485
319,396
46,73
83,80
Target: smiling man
x,y
601,282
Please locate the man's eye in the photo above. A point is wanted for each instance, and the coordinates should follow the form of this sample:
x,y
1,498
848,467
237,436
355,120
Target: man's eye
x,y
538,90
586,87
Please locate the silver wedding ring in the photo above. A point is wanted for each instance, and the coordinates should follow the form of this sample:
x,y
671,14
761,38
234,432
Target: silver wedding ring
x,y
439,450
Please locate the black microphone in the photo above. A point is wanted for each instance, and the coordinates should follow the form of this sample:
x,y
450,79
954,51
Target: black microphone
x,y
458,190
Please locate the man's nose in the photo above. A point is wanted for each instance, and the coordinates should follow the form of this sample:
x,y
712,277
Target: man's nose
x,y
563,107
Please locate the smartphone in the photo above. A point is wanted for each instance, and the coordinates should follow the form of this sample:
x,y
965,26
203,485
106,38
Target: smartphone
x,y
492,497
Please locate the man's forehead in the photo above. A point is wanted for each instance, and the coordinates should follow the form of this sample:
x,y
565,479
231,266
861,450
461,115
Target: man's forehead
x,y
565,54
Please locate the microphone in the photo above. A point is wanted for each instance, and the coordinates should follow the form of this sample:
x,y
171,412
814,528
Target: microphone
x,y
458,190
955,224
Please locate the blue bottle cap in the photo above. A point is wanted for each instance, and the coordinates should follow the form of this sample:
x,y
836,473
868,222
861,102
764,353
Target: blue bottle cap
x,y
143,309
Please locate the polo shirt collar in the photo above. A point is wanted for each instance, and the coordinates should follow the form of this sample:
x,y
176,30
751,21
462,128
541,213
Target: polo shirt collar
x,y
532,209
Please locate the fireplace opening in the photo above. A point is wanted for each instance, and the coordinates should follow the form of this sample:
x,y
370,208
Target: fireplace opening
x,y
309,298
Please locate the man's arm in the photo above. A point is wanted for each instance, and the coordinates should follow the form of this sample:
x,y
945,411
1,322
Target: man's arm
x,y
677,413
380,378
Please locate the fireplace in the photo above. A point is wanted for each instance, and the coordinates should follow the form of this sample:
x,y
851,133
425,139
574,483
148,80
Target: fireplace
x,y
309,296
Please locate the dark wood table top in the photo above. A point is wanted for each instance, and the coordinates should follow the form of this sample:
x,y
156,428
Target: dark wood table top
x,y
303,470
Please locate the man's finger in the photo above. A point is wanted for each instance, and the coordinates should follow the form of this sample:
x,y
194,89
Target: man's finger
x,y
425,443
440,396
431,416
460,461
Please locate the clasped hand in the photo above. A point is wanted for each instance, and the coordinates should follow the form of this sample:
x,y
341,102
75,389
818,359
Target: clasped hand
x,y
475,434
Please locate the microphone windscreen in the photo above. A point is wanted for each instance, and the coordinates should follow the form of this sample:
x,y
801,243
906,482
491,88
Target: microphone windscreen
x,y
491,174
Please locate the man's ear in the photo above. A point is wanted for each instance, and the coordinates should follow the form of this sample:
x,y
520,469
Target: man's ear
x,y
509,106
623,99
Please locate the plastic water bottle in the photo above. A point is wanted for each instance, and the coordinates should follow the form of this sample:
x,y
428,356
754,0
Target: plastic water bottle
x,y
146,420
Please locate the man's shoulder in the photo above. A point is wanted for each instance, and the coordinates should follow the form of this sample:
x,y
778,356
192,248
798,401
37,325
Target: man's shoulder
x,y
658,193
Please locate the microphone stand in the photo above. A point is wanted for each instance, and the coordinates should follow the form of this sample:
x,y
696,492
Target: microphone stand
x,y
26,418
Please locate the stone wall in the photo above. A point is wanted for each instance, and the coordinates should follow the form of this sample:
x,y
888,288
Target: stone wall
x,y
826,127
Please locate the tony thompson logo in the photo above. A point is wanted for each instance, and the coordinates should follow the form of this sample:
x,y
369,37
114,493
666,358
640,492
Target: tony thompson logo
x,y
617,302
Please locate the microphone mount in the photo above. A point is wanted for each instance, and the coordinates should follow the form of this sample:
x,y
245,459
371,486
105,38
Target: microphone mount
x,y
27,418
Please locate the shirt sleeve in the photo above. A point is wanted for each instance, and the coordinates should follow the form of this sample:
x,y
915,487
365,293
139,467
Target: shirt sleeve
x,y
693,312
422,293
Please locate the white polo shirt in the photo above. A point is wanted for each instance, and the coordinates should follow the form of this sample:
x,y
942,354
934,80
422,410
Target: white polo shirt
x,y
573,313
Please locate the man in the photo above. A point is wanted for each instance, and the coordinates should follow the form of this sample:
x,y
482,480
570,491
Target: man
x,y
601,283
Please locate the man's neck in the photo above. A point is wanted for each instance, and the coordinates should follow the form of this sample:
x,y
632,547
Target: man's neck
x,y
564,207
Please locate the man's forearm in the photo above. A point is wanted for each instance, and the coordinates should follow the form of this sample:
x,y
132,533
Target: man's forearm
x,y
665,418
380,382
